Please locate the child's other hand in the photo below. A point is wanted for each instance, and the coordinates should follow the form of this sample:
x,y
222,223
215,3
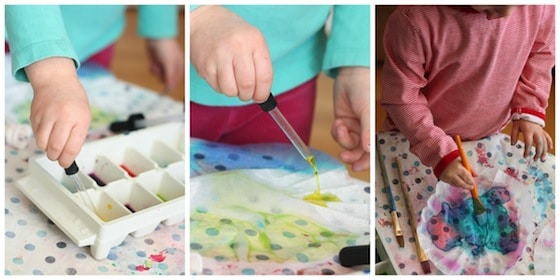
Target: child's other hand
x,y
60,112
351,128
457,175
533,134
230,54
167,61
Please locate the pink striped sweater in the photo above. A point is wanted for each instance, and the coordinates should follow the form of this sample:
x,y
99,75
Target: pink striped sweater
x,y
449,70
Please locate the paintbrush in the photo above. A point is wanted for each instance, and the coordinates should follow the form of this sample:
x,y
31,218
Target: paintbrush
x,y
422,257
479,209
393,207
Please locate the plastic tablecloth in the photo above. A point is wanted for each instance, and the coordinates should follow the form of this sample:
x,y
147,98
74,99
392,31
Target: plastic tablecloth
x,y
248,216
495,153
34,245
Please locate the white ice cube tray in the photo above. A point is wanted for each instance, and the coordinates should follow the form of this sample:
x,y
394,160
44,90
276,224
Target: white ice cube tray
x,y
134,199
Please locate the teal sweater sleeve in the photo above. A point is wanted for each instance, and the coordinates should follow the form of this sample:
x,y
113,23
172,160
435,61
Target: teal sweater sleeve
x,y
36,32
349,41
158,21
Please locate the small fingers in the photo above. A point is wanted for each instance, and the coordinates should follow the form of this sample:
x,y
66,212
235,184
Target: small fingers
x,y
244,71
264,75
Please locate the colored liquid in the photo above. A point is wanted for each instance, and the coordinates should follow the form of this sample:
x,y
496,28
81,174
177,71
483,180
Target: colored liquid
x,y
129,208
161,197
97,179
128,171
316,197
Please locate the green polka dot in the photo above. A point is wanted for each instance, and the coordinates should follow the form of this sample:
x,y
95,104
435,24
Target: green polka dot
x,y
275,247
220,258
288,234
212,231
301,222
302,257
416,163
326,234
350,242
201,210
531,266
196,246
250,232
226,221
314,245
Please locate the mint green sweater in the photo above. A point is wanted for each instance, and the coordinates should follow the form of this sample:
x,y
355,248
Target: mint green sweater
x,y
299,47
35,32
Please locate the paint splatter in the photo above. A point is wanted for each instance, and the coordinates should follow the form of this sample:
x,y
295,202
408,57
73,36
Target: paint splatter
x,y
483,155
457,226
155,258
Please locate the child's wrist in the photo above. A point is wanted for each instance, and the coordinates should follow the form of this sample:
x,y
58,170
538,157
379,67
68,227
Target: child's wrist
x,y
43,72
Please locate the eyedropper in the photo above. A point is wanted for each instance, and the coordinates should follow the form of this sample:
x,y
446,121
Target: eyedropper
x,y
270,107
72,172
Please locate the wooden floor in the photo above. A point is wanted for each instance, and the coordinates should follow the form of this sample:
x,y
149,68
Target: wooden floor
x,y
130,64
130,61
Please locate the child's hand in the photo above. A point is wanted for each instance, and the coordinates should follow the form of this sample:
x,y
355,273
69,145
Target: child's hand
x,y
533,134
457,175
351,128
60,112
230,54
166,61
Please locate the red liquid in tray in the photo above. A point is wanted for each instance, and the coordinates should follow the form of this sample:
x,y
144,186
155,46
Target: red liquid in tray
x,y
125,168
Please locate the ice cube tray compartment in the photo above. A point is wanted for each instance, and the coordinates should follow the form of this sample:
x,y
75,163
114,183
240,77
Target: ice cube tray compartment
x,y
136,181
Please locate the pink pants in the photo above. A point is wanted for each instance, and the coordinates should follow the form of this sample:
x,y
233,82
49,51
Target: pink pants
x,y
249,124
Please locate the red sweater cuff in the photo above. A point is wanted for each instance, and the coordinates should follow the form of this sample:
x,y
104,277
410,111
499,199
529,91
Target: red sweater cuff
x,y
444,162
529,111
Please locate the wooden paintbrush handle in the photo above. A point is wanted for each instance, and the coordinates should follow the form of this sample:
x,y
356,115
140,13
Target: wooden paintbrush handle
x,y
412,216
465,162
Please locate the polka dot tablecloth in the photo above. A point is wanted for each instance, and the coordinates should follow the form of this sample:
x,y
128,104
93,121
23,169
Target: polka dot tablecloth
x,y
248,217
494,153
34,245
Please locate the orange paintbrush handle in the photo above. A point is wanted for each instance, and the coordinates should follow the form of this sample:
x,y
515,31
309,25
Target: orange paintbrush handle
x,y
465,162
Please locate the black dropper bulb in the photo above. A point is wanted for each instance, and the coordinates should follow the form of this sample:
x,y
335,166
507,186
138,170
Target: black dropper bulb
x,y
72,169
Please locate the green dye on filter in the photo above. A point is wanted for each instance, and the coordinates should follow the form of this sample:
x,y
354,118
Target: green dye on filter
x,y
161,197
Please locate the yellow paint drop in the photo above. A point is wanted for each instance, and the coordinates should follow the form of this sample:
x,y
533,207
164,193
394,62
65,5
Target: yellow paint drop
x,y
110,206
316,197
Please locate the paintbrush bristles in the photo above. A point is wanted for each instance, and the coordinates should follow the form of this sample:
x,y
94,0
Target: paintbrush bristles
x,y
478,206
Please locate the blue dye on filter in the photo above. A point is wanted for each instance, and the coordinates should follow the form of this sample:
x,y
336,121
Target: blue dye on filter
x,y
457,226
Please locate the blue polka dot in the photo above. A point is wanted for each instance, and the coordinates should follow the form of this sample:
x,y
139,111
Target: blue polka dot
x,y
17,260
81,256
15,200
41,233
10,234
248,271
37,272
112,256
22,222
149,241
141,254
102,268
176,237
29,247
162,266
132,267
